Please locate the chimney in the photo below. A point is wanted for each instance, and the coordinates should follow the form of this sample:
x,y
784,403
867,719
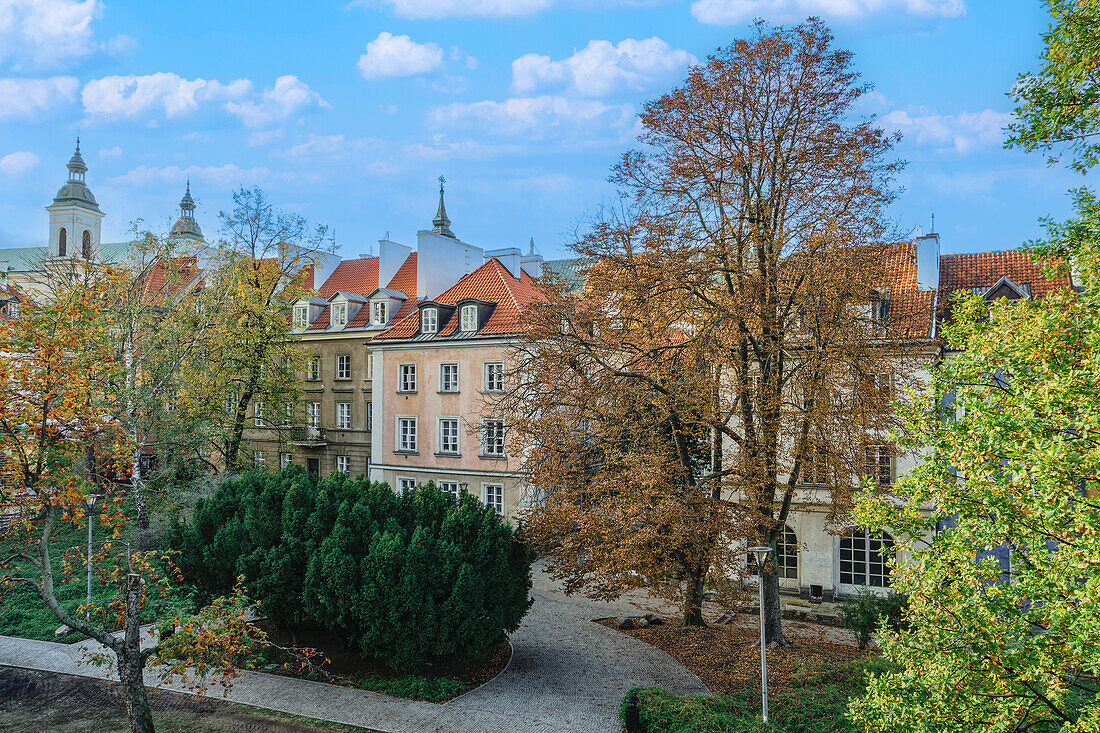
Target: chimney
x,y
391,256
509,257
927,251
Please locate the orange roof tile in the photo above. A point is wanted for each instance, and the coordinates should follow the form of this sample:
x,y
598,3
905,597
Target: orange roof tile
x,y
358,276
984,269
404,279
493,283
167,278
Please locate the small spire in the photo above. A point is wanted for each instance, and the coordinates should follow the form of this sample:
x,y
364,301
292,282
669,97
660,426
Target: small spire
x,y
532,250
76,164
442,222
187,204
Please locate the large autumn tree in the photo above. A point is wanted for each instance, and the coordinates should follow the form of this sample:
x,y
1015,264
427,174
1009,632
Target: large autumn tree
x,y
732,343
61,442
1013,465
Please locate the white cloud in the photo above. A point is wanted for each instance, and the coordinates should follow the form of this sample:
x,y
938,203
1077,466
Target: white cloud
x,y
225,176
121,45
442,149
15,163
421,9
391,56
288,97
731,12
131,96
962,132
601,67
47,32
540,117
26,98
110,152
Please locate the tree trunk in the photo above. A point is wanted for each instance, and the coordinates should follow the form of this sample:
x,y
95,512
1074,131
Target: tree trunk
x,y
137,485
693,597
130,662
773,614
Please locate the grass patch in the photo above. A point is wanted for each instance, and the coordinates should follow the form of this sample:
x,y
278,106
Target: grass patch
x,y
815,701
411,687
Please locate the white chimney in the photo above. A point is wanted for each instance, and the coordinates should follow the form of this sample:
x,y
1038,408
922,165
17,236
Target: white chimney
x,y
531,264
509,257
391,256
927,251
441,261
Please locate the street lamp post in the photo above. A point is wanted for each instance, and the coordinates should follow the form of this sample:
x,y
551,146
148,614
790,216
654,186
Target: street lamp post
x,y
90,500
761,555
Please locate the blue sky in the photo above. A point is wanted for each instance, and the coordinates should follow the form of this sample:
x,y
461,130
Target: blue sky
x,y
348,112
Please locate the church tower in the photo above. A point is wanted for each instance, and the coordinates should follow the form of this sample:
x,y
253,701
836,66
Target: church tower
x,y
186,228
75,217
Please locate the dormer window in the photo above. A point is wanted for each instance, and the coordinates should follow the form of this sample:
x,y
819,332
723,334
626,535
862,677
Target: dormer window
x,y
379,315
469,318
340,314
429,320
301,316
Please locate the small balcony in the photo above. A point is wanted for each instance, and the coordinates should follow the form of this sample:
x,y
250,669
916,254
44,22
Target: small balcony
x,y
306,436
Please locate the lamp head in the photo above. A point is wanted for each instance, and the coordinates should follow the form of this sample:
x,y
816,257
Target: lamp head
x,y
761,555
90,500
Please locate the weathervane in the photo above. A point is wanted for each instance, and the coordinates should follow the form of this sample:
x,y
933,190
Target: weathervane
x,y
441,180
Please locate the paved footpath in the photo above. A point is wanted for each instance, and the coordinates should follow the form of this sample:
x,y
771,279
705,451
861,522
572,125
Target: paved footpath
x,y
566,674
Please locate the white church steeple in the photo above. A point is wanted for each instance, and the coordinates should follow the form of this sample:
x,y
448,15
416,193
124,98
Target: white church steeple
x,y
75,217
186,227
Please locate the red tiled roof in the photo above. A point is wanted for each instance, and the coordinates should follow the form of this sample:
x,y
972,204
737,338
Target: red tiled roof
x,y
984,269
491,283
166,279
404,280
352,276
321,322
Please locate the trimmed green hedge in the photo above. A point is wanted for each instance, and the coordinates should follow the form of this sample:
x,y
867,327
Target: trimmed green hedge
x,y
817,703
402,578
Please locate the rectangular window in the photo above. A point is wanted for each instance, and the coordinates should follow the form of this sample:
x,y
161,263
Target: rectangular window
x,y
879,466
448,377
815,468
492,437
259,458
288,413
301,316
469,318
370,367
343,415
405,484
313,414
448,435
343,464
339,314
313,369
258,414
285,459
407,379
380,314
343,366
231,403
406,434
494,376
494,497
449,487
370,416
429,320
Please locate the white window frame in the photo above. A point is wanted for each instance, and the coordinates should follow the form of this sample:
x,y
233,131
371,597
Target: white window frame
x,y
313,414
343,415
285,459
258,414
340,314
495,502
492,376
445,384
379,312
429,320
288,413
879,463
259,458
859,562
370,367
405,483
301,316
450,487
468,318
343,464
399,435
343,366
370,416
497,440
313,369
406,378
442,435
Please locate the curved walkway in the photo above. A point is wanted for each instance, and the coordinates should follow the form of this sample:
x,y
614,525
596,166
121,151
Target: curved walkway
x,y
566,674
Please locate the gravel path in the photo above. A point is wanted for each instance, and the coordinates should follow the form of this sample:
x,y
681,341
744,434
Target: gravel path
x,y
566,674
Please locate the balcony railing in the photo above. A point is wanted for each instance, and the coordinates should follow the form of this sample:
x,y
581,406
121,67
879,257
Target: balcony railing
x,y
305,435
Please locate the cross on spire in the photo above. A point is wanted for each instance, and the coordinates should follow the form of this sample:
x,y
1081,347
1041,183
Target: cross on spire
x,y
442,222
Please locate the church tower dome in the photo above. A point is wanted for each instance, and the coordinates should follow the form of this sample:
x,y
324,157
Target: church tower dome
x,y
186,227
75,217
